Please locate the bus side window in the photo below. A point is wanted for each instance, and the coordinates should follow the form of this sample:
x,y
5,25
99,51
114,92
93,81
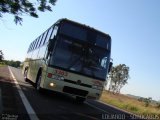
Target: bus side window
x,y
43,39
36,43
49,34
29,48
40,40
51,41
33,44
54,32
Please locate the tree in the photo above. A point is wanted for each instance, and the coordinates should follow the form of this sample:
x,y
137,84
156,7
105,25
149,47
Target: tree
x,y
12,63
141,99
118,76
1,55
158,105
21,7
147,101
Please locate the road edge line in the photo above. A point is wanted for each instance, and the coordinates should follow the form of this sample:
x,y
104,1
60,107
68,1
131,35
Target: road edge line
x,y
26,103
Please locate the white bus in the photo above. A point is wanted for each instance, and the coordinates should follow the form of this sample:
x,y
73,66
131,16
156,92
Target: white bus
x,y
70,58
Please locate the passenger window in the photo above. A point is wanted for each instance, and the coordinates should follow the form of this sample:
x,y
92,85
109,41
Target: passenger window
x,y
54,32
36,43
43,39
40,40
29,48
49,34
33,45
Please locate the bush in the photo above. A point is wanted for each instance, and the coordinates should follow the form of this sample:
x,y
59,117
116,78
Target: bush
x,y
158,105
133,108
2,63
12,63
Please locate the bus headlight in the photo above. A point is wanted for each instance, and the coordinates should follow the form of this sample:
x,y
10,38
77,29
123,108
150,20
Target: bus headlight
x,y
52,84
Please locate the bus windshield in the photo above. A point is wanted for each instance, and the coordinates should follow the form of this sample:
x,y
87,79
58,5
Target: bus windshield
x,y
80,56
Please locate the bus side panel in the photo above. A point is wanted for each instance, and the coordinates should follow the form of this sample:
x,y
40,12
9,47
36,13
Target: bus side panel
x,y
42,63
36,63
26,61
44,72
29,75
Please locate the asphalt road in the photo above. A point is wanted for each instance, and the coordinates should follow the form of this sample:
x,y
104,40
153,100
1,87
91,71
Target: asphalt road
x,y
53,106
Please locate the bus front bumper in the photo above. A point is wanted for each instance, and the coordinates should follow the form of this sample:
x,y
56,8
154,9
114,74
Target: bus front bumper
x,y
72,89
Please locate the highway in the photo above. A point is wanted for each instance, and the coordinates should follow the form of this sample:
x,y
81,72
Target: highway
x,y
29,104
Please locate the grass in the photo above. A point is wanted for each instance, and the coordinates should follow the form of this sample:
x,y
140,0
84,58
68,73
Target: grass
x,y
1,65
129,104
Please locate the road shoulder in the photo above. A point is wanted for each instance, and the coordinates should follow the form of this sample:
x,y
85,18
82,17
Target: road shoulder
x,y
12,105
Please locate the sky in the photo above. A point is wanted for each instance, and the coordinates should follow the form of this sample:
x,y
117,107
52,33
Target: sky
x,y
134,26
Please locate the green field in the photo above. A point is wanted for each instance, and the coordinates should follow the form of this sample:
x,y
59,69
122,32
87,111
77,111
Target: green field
x,y
129,104
1,65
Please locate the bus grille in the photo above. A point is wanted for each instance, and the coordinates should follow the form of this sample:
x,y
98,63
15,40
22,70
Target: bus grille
x,y
75,82
75,91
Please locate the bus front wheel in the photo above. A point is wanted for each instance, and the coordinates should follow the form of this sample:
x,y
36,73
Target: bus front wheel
x,y
38,82
25,75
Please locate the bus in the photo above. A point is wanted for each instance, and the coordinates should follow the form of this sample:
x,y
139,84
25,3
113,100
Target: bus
x,y
70,58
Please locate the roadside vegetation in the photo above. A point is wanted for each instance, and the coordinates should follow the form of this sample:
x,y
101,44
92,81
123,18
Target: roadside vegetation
x,y
133,105
118,77
10,63
1,64
4,73
19,8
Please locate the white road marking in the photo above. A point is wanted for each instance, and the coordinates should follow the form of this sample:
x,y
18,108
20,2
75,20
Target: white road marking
x,y
26,103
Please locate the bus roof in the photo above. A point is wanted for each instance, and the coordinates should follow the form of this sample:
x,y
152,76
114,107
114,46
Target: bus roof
x,y
82,25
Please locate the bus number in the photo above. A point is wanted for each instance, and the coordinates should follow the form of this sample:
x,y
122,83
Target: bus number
x,y
61,72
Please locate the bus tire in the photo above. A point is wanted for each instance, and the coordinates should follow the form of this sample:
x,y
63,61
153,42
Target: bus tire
x,y
25,75
80,100
38,82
